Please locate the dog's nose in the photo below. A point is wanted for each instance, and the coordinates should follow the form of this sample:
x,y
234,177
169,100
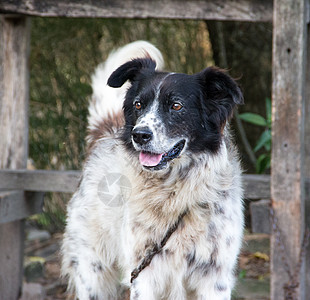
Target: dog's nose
x,y
142,135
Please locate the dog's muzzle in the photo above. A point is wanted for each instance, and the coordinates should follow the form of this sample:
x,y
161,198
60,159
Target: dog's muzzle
x,y
149,158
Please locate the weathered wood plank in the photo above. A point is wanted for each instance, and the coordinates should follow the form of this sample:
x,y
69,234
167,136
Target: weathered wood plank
x,y
41,180
11,258
15,206
260,216
256,186
242,10
14,50
14,41
287,181
307,157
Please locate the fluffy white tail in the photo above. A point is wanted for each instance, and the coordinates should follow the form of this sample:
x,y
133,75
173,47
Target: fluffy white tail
x,y
106,100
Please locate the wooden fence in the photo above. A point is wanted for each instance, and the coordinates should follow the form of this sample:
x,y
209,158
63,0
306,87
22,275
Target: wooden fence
x,y
22,190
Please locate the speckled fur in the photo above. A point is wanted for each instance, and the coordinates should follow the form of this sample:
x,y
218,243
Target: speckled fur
x,y
103,244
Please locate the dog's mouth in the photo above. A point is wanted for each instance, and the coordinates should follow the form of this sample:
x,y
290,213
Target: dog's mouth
x,y
155,161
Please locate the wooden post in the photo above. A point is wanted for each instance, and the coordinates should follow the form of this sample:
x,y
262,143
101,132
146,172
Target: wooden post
x,y
14,41
287,180
307,158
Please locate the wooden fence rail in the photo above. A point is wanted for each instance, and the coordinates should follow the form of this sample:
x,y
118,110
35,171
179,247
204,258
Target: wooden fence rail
x,y
40,180
232,10
255,186
35,183
18,205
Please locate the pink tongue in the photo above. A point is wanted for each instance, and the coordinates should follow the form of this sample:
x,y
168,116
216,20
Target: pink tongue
x,y
149,159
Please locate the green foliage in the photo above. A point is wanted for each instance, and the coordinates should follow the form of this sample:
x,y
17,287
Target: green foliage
x,y
242,274
253,119
53,217
264,141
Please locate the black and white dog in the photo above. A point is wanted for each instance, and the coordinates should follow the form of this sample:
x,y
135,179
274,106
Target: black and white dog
x,y
161,189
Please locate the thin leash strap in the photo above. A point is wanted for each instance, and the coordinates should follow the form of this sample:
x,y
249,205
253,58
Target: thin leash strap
x,y
156,248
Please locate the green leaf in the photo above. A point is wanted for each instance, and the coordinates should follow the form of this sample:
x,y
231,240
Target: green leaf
x,y
267,146
263,141
242,274
263,163
253,119
268,112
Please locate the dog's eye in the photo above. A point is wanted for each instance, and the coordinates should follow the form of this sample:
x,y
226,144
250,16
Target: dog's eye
x,y
138,105
176,106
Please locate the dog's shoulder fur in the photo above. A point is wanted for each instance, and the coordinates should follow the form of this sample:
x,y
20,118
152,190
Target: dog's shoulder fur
x,y
104,241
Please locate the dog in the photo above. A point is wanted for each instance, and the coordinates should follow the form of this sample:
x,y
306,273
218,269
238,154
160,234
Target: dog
x,y
159,207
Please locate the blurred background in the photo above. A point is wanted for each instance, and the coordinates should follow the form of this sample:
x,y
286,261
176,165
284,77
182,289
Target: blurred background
x,y
65,52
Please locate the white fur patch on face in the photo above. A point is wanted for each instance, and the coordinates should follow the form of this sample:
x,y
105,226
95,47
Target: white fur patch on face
x,y
153,121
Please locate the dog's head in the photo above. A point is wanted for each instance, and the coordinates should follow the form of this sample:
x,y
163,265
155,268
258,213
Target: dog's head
x,y
168,114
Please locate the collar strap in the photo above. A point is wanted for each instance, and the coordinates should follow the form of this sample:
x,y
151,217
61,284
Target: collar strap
x,y
156,248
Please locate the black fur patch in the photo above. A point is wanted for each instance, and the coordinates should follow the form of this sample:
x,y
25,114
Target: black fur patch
x,y
204,267
97,266
220,287
74,262
131,70
218,209
229,241
207,98
213,233
133,291
167,252
212,264
191,258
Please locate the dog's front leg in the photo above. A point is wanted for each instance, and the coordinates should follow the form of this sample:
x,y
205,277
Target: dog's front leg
x,y
151,286
143,287
212,290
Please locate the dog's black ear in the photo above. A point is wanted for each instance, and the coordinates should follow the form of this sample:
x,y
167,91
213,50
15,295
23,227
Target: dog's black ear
x,y
130,71
221,94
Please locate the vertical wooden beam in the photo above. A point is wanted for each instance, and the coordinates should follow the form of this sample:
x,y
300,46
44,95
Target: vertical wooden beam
x,y
14,49
287,180
307,157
